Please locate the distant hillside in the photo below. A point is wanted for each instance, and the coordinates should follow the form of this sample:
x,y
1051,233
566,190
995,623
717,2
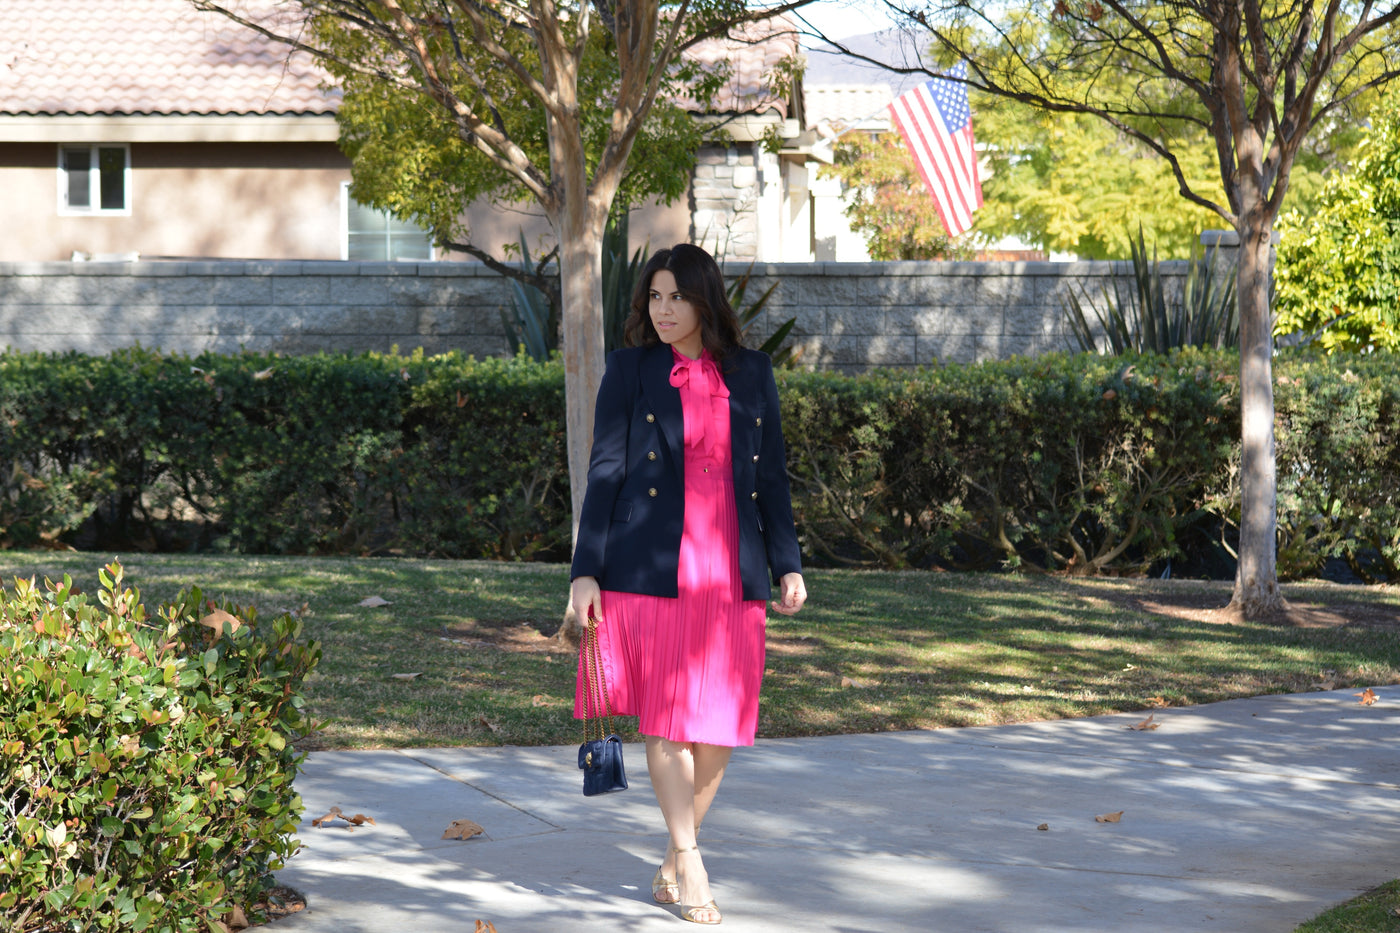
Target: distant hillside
x,y
825,66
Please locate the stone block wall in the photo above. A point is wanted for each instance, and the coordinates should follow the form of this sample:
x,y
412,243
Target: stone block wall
x,y
849,316
290,307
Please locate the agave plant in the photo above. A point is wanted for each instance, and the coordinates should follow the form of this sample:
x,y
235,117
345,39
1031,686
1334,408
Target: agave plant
x,y
784,356
530,324
619,280
1147,319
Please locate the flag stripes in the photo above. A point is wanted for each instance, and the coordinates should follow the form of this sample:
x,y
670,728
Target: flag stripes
x,y
936,123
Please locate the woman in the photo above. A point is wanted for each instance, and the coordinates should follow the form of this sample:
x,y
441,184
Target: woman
x,y
686,517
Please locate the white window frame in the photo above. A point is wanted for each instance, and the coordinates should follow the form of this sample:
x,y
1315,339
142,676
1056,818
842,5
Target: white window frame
x,y
94,183
345,201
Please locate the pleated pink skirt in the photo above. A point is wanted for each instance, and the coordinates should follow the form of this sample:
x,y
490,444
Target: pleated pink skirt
x,y
691,667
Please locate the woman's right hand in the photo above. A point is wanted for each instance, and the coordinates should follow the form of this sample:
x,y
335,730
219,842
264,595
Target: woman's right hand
x,y
587,598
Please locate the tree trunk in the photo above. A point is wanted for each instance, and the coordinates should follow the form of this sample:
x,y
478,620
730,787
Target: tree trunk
x,y
579,227
581,281
1256,580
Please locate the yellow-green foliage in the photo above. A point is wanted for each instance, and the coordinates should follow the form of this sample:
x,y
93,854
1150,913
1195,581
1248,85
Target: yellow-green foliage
x,y
1338,272
147,770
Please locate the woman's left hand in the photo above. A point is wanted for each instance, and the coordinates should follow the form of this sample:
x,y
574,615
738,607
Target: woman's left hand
x,y
794,594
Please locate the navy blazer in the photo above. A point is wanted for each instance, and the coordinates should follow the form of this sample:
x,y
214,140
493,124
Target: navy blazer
x,y
629,534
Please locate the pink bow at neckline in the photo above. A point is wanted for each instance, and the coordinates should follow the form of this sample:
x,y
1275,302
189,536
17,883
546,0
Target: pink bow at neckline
x,y
699,383
700,374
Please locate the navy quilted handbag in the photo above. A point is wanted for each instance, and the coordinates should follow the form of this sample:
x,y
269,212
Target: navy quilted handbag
x,y
600,755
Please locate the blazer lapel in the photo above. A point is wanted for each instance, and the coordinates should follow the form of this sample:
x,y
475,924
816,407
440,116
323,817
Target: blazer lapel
x,y
664,400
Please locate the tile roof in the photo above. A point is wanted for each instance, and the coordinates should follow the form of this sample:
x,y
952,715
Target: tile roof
x,y
165,57
147,57
849,104
753,52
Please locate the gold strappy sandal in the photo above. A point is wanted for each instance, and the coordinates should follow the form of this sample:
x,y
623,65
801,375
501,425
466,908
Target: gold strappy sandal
x,y
690,912
665,890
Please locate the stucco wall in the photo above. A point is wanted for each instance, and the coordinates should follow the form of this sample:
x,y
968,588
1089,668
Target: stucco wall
x,y
233,200
187,199
849,316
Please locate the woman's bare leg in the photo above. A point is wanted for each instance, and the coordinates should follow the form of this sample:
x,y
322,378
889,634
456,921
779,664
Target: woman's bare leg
x,y
686,776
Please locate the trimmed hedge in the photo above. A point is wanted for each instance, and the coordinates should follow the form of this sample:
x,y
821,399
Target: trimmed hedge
x,y
1069,463
317,454
148,770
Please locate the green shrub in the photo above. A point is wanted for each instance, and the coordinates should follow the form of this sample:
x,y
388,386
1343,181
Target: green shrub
x,y
1080,463
148,770
484,471
1337,425
72,440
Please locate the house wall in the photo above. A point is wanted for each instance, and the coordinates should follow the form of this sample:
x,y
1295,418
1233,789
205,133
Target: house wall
x,y
848,316
187,199
237,201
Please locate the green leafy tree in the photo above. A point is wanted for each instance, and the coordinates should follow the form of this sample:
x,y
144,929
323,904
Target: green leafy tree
x,y
1068,182
888,203
1255,78
513,100
1338,273
1063,181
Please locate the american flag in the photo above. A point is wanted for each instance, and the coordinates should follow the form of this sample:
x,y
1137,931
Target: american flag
x,y
936,123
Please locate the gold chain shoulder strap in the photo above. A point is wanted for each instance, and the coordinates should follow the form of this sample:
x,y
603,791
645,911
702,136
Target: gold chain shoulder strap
x,y
597,685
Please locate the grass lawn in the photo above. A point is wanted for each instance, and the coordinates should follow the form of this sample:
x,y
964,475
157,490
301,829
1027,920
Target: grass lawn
x,y
1376,911
872,651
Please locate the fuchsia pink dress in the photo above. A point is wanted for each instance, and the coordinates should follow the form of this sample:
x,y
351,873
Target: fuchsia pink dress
x,y
691,667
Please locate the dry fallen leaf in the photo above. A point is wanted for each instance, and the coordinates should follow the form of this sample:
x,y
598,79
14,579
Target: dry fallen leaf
x,y
407,676
335,813
1368,696
1110,395
1147,725
849,682
539,699
1044,827
462,829
373,602
1109,817
237,919
1159,702
488,724
217,619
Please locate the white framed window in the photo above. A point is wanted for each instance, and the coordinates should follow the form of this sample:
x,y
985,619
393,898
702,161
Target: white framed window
x,y
94,179
370,235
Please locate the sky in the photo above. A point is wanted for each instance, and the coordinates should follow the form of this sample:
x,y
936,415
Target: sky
x,y
841,18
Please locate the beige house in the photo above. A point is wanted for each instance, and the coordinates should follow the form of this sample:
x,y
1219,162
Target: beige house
x,y
148,129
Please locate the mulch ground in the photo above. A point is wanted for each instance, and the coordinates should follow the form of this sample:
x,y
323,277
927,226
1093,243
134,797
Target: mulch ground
x,y
1195,603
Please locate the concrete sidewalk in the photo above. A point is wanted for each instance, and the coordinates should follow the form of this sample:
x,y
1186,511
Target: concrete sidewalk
x,y
1239,816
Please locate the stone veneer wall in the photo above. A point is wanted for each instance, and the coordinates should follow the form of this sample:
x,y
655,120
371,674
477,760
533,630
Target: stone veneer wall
x,y
850,316
724,192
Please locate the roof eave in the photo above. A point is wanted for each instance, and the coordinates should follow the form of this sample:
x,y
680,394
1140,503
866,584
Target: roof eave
x,y
750,127
168,128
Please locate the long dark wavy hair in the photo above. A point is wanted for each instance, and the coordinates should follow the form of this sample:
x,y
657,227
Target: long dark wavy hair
x,y
699,281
